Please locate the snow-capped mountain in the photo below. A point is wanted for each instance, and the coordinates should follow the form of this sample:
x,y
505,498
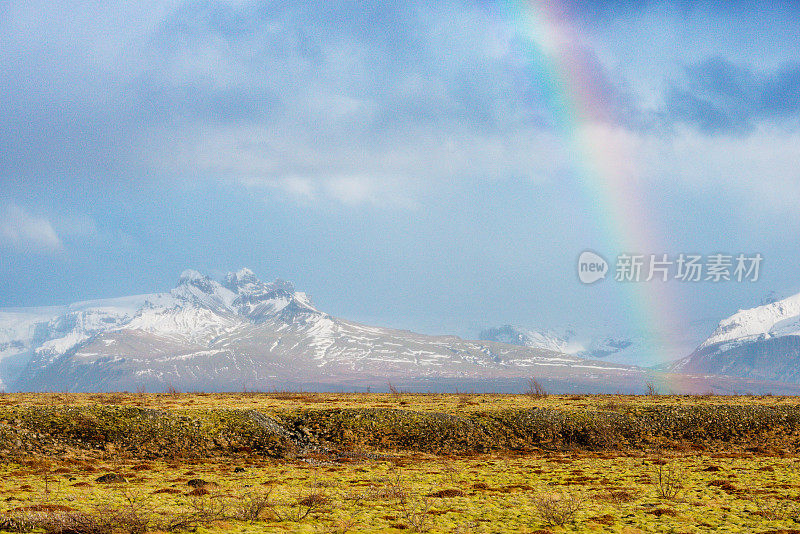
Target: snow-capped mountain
x,y
47,332
640,348
597,346
549,339
245,333
624,349
761,343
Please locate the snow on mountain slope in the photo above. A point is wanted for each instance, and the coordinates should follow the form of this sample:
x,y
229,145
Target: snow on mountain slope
x,y
183,323
248,333
541,339
47,332
776,318
646,349
761,343
616,349
18,330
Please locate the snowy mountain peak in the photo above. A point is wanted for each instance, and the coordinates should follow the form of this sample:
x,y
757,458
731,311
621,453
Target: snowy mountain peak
x,y
240,278
193,278
506,334
260,301
774,318
546,339
199,289
245,284
623,347
761,343
196,311
189,276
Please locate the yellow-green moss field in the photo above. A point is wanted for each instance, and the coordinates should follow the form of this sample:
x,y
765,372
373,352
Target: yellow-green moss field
x,y
686,487
426,493
287,400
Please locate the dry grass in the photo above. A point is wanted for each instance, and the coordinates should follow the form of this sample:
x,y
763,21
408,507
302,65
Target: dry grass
x,y
289,400
136,515
378,481
495,492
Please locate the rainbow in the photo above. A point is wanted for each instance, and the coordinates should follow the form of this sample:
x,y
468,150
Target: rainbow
x,y
602,165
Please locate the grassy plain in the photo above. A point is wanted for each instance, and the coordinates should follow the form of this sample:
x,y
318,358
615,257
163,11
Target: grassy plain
x,y
316,462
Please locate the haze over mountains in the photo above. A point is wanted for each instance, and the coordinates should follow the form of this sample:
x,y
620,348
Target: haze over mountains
x,y
760,344
640,348
243,333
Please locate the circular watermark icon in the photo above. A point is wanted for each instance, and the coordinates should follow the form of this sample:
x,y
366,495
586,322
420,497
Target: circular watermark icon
x,y
592,267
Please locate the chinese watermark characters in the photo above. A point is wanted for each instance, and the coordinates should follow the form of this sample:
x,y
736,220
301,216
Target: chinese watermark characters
x,y
713,268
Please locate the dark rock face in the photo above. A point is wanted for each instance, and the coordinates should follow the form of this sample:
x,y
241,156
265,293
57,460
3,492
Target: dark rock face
x,y
764,359
505,334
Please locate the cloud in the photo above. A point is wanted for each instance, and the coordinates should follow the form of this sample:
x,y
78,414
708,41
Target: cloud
x,y
349,190
297,187
27,233
719,97
336,101
757,170
383,103
780,93
757,173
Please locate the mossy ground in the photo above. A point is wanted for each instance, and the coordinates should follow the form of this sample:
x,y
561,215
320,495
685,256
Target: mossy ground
x,y
721,488
448,403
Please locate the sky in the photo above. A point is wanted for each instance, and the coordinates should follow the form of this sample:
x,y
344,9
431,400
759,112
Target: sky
x,y
437,166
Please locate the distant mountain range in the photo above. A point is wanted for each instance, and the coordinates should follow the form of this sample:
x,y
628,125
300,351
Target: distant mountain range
x,y
566,341
759,344
641,348
242,333
245,333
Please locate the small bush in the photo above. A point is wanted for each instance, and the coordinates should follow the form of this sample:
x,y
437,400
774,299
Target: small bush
x,y
309,501
668,480
136,516
394,390
255,505
775,509
413,508
558,508
535,389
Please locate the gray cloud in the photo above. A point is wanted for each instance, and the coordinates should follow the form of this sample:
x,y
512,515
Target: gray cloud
x,y
780,93
401,91
354,102
718,96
